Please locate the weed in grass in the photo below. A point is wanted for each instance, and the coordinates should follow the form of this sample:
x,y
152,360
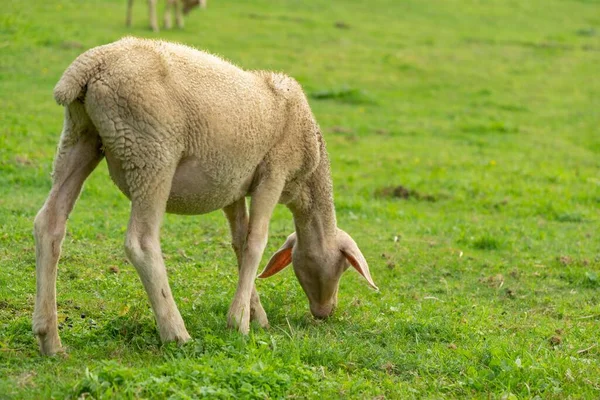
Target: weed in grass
x,y
401,192
490,127
486,242
344,95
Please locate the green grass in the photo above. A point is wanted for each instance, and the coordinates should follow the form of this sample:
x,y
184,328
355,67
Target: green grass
x,y
486,112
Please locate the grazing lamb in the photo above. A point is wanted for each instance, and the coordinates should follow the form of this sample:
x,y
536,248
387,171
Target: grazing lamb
x,y
182,7
186,132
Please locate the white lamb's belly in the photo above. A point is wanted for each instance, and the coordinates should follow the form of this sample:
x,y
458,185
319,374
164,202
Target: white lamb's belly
x,y
197,191
195,188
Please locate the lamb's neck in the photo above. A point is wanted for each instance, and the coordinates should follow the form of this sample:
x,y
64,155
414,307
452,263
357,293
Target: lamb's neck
x,y
314,210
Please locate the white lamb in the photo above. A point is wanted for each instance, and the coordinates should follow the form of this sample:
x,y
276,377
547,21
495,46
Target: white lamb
x,y
186,132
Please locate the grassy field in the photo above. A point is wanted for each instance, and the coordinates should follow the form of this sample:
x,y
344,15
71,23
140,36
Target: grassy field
x,y
465,147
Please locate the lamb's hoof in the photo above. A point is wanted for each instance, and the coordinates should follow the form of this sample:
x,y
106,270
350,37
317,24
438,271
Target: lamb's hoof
x,y
50,345
239,318
260,316
183,339
179,337
46,331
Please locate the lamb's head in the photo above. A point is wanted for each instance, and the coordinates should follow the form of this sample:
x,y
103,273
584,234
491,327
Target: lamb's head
x,y
319,269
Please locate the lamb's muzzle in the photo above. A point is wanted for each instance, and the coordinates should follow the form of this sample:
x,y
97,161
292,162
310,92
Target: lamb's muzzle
x,y
186,132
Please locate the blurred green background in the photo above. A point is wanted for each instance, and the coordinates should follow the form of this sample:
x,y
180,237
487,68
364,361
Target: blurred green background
x,y
464,138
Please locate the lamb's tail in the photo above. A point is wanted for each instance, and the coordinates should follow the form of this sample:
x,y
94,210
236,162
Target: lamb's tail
x,y
73,83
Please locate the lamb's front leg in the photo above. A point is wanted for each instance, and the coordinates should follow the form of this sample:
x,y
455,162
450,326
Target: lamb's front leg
x,y
237,215
263,202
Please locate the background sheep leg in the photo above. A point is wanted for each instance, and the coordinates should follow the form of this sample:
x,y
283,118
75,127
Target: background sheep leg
x,y
168,18
262,204
142,246
178,13
74,162
129,12
152,12
237,215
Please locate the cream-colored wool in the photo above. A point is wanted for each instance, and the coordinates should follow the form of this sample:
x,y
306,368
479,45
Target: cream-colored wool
x,y
186,132
181,8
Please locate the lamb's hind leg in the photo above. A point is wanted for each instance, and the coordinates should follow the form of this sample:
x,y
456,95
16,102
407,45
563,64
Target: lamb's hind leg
x,y
237,215
149,194
77,156
264,200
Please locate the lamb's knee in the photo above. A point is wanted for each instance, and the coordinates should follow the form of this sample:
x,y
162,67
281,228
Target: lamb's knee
x,y
140,249
255,244
251,248
133,249
48,230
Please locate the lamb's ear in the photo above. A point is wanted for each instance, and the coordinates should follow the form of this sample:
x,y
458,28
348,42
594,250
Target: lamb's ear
x,y
350,250
281,259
